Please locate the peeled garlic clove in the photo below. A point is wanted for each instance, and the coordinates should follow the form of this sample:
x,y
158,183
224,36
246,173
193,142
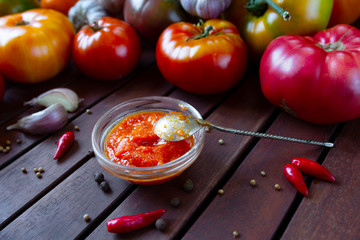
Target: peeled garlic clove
x,y
48,120
67,97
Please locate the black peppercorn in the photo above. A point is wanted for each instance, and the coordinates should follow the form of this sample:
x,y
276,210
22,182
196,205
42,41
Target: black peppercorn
x,y
104,186
99,177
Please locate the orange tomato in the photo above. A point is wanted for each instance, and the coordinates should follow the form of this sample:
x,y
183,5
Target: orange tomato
x,y
35,45
344,12
58,5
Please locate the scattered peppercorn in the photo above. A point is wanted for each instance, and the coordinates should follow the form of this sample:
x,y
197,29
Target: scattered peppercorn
x,y
86,217
221,141
38,174
77,128
88,111
175,202
18,141
263,173
253,182
188,185
1,148
277,186
35,170
5,151
104,186
160,224
235,234
8,142
23,170
8,148
220,191
99,177
41,169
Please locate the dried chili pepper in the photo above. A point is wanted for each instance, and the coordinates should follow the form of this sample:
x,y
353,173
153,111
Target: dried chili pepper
x,y
129,223
293,174
313,169
64,143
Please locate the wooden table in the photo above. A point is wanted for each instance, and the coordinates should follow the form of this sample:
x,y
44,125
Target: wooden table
x,y
53,206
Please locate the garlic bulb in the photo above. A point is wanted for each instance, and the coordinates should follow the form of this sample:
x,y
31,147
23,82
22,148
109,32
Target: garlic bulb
x,y
67,97
205,9
48,120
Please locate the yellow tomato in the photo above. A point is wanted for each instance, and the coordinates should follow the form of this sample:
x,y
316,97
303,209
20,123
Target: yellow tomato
x,y
34,45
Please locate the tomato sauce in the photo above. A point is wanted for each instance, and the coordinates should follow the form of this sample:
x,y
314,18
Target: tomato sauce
x,y
132,142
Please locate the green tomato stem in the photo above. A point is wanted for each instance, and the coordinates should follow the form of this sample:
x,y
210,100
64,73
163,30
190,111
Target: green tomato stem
x,y
258,8
285,14
95,27
204,33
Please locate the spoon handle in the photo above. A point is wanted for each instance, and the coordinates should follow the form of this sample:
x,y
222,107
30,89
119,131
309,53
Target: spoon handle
x,y
266,135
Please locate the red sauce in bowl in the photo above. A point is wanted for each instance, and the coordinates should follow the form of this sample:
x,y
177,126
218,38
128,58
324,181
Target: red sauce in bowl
x,y
132,142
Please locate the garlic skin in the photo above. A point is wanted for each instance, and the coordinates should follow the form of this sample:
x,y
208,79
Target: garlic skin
x,y
48,120
67,97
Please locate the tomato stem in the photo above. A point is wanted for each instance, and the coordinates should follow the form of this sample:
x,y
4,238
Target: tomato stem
x,y
205,32
258,8
95,27
22,23
334,46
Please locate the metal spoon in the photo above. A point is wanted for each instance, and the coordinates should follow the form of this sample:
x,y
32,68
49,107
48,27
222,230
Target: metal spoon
x,y
177,126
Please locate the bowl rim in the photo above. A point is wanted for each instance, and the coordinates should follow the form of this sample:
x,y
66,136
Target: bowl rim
x,y
159,168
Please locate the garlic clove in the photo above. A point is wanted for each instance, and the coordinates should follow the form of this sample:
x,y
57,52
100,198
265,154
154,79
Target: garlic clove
x,y
65,96
48,120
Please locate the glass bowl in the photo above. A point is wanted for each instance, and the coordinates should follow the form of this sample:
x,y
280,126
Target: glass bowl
x,y
145,175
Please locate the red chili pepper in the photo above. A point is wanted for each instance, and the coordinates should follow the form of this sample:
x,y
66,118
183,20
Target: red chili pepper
x,y
64,143
129,223
293,174
313,168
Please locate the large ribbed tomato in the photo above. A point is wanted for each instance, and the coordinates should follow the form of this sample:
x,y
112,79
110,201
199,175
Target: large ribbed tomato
x,y
203,59
34,45
316,79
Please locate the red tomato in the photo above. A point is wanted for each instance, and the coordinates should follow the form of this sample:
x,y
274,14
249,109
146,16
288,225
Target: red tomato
x,y
2,87
35,45
315,78
106,49
344,11
62,6
202,61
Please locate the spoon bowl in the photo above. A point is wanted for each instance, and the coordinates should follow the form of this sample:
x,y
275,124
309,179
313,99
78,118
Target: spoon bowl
x,y
177,126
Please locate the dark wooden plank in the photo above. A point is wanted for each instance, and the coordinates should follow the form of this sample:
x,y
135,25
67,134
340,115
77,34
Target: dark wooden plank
x,y
59,214
27,187
88,89
15,96
332,211
67,202
256,212
245,109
